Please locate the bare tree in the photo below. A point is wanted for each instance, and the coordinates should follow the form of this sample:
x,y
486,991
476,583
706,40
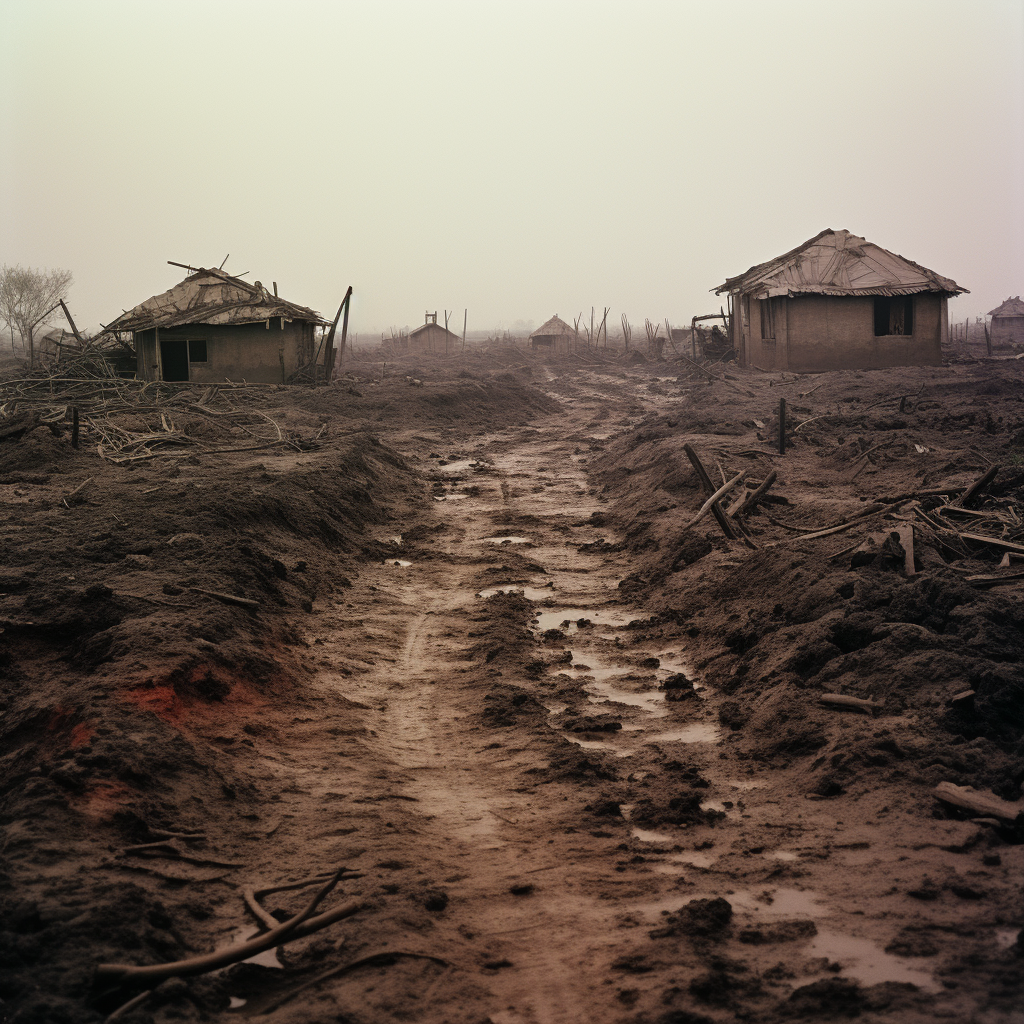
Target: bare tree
x,y
28,299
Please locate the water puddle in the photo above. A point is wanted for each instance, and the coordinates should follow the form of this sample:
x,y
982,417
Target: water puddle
x,y
779,903
698,732
507,540
597,745
400,562
530,593
647,836
867,962
555,618
601,692
236,1003
786,856
455,496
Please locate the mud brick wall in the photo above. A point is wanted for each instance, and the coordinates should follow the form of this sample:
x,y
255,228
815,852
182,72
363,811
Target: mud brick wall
x,y
257,353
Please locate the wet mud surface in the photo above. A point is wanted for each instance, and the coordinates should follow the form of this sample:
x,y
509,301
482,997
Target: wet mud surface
x,y
572,751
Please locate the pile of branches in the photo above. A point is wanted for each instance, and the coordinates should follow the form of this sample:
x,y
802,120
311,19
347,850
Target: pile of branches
x,y
178,421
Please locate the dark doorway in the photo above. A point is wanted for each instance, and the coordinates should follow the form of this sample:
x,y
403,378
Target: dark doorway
x,y
174,359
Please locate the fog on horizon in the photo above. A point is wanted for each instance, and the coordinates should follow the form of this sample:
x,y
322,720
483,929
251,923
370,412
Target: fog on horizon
x,y
518,160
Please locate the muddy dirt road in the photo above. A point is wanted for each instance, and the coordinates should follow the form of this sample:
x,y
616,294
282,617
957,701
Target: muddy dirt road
x,y
573,755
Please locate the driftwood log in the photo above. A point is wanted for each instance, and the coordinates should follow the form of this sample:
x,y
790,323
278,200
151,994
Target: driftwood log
x,y
296,927
979,803
842,700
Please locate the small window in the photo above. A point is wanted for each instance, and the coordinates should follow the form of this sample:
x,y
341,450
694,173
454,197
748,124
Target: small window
x,y
197,351
894,315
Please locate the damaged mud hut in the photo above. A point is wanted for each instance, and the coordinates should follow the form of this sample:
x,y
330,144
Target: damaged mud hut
x,y
555,337
432,337
838,302
213,327
1008,323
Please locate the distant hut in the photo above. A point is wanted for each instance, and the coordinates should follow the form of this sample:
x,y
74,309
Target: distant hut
x,y
1008,323
839,302
432,337
213,327
555,337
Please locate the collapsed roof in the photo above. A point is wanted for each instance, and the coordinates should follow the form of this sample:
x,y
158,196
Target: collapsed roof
x,y
1011,307
212,297
555,327
839,263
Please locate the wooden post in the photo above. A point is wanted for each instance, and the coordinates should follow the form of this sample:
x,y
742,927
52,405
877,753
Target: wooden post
x,y
74,426
709,487
329,349
74,329
782,426
344,326
988,341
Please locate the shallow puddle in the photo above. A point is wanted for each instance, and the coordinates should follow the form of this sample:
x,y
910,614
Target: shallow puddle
x,y
867,962
778,903
677,861
400,562
786,856
647,836
698,732
530,593
235,1003
554,618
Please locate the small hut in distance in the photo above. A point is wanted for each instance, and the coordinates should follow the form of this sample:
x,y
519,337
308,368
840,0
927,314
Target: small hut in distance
x,y
1008,323
555,337
432,337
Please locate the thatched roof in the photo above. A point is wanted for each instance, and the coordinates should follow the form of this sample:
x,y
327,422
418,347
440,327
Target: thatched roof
x,y
839,263
1011,307
554,328
436,327
212,297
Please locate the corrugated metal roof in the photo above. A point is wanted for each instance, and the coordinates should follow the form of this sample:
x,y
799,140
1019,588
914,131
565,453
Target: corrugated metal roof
x,y
1011,307
839,263
553,328
212,297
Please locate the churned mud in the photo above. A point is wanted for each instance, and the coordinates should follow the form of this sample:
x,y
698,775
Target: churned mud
x,y
572,750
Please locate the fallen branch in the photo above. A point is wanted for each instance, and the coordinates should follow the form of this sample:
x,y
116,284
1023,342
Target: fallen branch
x,y
712,502
294,928
709,488
978,803
842,700
979,485
245,602
752,500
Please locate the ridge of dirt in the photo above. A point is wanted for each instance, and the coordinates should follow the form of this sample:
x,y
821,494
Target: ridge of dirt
x,y
573,755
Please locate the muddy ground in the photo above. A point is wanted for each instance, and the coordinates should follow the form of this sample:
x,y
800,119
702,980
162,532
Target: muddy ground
x,y
571,748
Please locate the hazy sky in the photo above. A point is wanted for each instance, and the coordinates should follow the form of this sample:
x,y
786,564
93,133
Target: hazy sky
x,y
519,159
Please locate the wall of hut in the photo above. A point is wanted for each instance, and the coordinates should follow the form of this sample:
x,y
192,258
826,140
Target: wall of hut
x,y
268,352
431,338
1007,331
813,333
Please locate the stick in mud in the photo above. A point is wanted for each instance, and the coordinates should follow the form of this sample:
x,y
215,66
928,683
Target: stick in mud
x,y
709,487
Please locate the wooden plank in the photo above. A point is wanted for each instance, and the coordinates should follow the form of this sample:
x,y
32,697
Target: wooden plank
x,y
978,802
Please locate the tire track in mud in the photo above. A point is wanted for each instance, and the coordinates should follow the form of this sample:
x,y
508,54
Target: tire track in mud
x,y
538,911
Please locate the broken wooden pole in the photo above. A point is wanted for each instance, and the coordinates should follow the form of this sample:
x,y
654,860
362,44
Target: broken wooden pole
x,y
905,533
709,488
843,700
782,426
329,350
344,327
752,500
978,803
74,329
979,485
712,502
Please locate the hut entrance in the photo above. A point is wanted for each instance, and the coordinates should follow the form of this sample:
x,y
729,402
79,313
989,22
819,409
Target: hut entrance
x,y
174,360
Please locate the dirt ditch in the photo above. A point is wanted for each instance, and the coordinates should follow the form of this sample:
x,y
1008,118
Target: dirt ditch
x,y
573,754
